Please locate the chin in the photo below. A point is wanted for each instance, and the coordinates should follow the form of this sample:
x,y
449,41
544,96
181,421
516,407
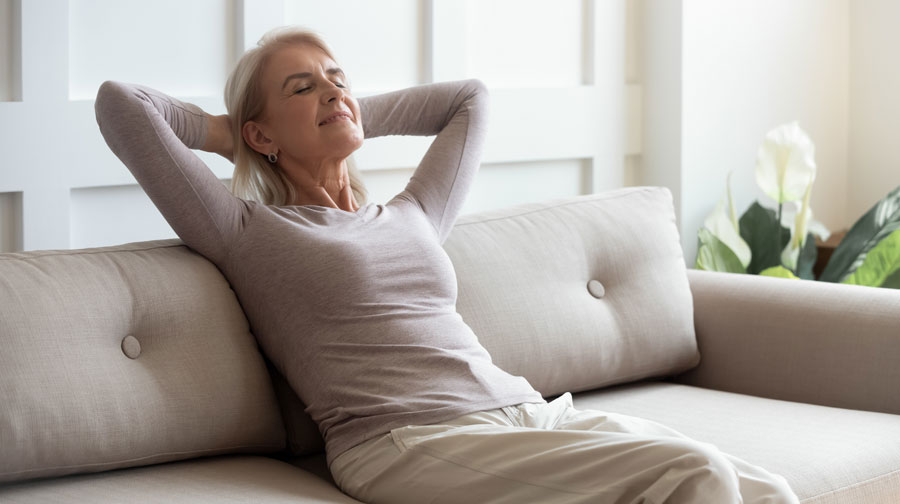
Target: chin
x,y
345,150
351,144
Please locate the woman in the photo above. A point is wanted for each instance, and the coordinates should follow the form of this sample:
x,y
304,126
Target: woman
x,y
354,302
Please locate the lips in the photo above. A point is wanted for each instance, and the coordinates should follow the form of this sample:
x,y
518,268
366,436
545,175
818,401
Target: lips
x,y
337,116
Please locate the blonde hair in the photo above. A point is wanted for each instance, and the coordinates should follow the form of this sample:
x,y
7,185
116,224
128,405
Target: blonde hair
x,y
254,177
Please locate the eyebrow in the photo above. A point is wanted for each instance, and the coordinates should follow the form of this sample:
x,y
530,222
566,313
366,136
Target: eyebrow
x,y
302,75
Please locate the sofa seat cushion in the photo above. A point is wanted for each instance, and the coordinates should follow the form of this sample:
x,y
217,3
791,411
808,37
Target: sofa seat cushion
x,y
229,478
828,455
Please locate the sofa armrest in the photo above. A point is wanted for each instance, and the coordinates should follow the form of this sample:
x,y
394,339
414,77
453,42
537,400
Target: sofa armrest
x,y
797,340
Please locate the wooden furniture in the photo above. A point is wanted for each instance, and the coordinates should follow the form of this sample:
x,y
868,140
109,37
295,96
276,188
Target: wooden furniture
x,y
825,249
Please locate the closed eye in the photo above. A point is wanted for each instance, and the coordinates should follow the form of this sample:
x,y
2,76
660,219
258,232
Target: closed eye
x,y
338,84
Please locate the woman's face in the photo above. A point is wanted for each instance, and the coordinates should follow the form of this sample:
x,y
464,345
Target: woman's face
x,y
310,115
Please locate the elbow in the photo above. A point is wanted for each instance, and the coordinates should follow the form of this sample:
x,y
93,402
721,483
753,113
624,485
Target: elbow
x,y
106,87
115,98
477,96
108,91
118,94
478,86
477,89
107,95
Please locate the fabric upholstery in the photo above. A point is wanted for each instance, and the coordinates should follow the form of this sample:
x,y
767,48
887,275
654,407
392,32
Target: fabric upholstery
x,y
798,340
224,479
553,290
527,286
73,401
829,455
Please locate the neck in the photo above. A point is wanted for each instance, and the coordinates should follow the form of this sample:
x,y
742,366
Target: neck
x,y
325,183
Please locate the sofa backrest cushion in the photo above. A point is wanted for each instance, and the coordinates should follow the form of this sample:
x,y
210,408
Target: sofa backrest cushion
x,y
580,292
123,356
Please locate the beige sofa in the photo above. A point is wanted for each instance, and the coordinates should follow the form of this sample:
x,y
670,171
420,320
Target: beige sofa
x,y
129,373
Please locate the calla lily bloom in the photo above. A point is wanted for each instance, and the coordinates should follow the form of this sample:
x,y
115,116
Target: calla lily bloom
x,y
801,223
723,224
785,163
791,252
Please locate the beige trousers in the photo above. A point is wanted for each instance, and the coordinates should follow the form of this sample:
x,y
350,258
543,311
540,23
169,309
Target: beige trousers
x,y
550,453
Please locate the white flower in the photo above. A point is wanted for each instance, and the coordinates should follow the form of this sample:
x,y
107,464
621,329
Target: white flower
x,y
789,220
801,223
724,226
785,163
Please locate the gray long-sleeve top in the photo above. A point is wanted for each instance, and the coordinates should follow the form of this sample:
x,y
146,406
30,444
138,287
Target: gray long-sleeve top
x,y
356,309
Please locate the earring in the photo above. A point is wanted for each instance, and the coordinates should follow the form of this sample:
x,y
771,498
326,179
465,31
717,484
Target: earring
x,y
272,157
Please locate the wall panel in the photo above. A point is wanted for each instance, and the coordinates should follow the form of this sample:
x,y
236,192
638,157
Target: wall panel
x,y
555,75
504,184
181,48
135,218
10,222
526,43
10,50
378,44
499,185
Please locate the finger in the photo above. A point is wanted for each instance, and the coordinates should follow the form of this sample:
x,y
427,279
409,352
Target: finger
x,y
350,191
322,195
319,196
346,198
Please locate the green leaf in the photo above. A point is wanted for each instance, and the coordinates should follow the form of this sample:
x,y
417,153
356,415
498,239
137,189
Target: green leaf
x,y
879,222
881,263
893,281
807,258
778,272
713,255
759,228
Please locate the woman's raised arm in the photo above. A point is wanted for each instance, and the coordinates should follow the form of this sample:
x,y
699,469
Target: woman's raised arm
x,y
454,111
153,134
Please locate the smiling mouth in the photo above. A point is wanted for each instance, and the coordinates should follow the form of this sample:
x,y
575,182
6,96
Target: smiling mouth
x,y
337,117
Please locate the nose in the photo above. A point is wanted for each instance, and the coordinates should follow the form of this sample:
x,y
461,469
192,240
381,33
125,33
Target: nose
x,y
332,92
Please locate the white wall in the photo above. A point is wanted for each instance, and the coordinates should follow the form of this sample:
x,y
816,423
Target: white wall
x,y
61,187
874,146
749,66
705,81
746,66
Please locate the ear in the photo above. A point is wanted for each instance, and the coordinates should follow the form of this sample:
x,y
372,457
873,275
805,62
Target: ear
x,y
257,139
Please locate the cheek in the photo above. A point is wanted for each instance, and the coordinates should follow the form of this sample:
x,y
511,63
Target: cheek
x,y
297,120
296,110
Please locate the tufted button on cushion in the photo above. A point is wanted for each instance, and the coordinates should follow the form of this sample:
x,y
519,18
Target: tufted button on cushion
x,y
596,289
131,346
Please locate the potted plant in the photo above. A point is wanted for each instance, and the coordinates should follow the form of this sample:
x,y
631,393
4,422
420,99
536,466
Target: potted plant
x,y
781,242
